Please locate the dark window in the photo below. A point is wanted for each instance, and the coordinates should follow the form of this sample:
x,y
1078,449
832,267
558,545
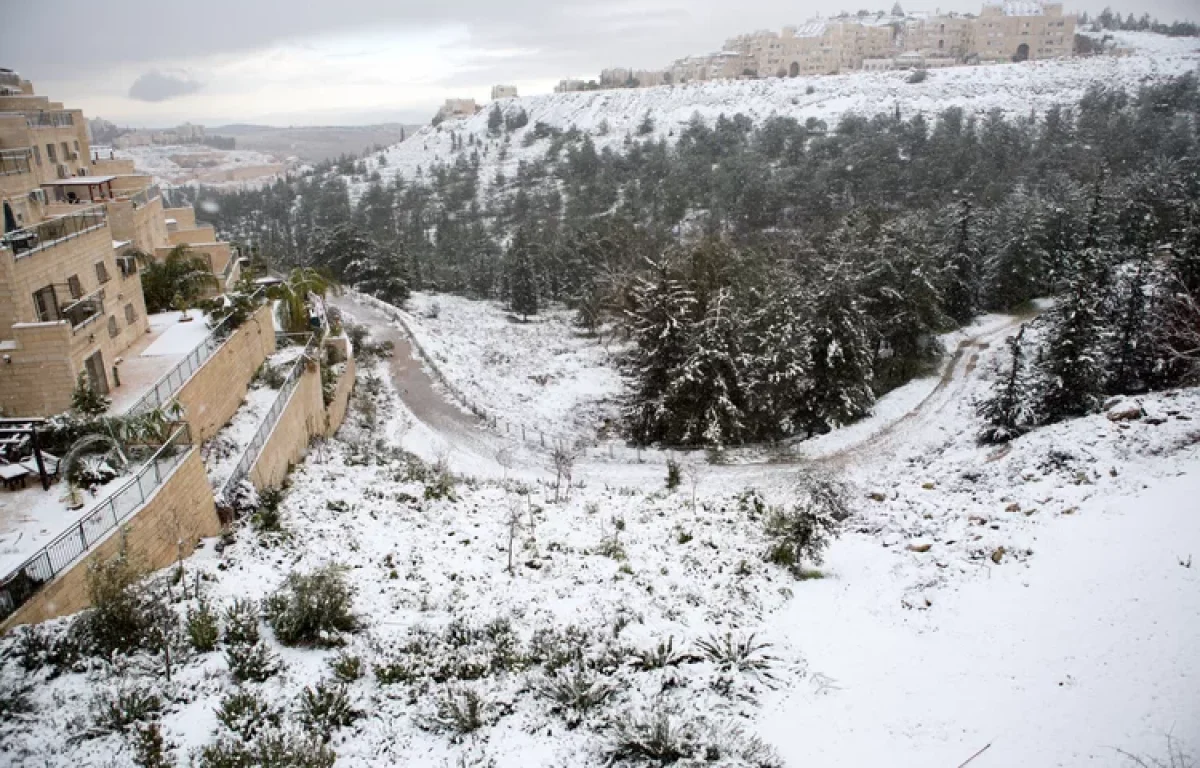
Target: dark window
x,y
45,302
51,153
128,265
130,314
113,328
75,287
101,272
77,147
37,154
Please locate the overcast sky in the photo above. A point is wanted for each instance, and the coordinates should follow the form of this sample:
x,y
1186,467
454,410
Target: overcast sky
x,y
341,62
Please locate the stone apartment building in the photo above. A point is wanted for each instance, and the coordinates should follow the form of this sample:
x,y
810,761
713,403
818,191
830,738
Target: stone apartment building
x,y
504,92
70,292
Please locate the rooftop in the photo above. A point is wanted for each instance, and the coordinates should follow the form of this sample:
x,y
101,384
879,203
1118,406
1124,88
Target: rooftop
x,y
76,181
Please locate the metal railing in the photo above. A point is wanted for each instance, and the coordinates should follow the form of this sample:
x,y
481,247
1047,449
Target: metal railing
x,y
14,161
53,119
173,380
263,433
24,582
144,196
28,241
8,77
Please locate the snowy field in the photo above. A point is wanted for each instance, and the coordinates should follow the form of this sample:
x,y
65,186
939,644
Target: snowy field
x,y
1015,89
544,373
1036,602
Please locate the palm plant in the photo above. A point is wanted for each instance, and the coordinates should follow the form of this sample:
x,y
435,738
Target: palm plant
x,y
293,295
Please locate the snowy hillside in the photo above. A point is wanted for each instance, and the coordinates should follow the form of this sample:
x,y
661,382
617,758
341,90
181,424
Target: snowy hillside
x,y
1016,89
172,165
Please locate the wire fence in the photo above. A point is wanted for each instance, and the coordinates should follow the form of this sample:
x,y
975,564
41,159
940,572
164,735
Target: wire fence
x,y
173,380
23,583
252,450
532,436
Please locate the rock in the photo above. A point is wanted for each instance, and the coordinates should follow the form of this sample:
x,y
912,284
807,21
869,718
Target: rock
x,y
1124,410
533,564
1029,512
876,496
998,555
1155,420
920,546
1014,507
1070,510
977,519
928,486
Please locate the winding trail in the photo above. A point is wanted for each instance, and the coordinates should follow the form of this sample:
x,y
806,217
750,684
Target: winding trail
x,y
466,436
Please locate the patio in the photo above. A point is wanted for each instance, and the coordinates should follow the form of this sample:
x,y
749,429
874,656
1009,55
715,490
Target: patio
x,y
148,360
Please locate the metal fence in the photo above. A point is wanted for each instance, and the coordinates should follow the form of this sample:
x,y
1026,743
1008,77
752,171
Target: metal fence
x,y
263,433
173,380
52,119
24,582
28,241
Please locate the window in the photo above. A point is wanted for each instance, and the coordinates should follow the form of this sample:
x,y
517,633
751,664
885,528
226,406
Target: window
x,y
101,272
130,314
37,154
128,265
77,147
113,329
75,287
66,150
45,302
51,153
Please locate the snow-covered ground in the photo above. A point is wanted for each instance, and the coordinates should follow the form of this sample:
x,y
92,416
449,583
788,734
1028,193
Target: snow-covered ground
x,y
544,373
196,163
1015,89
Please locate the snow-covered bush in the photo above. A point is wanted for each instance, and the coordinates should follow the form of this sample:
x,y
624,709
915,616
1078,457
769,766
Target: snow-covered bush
x,y
276,748
202,627
461,710
123,613
346,668
742,654
575,691
123,708
312,608
253,662
325,708
246,713
241,623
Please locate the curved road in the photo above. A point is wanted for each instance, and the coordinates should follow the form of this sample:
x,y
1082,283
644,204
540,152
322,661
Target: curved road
x,y
466,437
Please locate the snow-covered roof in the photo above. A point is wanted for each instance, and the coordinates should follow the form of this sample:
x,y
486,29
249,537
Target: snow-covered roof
x,y
1018,7
811,29
75,181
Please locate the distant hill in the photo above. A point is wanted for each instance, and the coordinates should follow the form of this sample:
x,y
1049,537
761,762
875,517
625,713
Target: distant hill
x,y
313,143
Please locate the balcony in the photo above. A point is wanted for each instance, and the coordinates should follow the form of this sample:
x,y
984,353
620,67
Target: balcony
x,y
54,119
10,78
14,161
84,311
26,242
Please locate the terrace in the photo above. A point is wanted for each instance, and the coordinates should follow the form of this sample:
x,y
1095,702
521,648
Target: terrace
x,y
26,242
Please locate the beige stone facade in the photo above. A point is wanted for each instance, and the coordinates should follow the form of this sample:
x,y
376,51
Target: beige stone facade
x,y
504,92
70,294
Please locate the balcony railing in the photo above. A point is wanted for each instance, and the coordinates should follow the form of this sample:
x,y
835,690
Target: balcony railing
x,y
53,119
84,311
23,583
14,161
26,242
144,196
10,78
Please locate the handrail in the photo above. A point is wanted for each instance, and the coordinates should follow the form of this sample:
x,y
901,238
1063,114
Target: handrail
x,y
251,453
30,240
24,582
173,380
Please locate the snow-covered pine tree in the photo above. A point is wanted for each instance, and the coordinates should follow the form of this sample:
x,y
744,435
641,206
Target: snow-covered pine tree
x,y
842,352
660,319
959,279
705,402
1133,355
1072,367
522,286
1017,264
778,350
1009,411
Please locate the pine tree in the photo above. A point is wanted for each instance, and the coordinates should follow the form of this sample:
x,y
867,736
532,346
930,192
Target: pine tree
x,y
522,286
1072,367
495,121
960,273
1009,411
705,403
778,351
1133,366
660,319
842,352
1017,268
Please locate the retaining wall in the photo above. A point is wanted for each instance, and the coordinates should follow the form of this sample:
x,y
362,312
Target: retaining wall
x,y
180,513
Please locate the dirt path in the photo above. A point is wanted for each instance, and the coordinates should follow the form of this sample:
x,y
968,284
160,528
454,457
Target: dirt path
x,y
464,432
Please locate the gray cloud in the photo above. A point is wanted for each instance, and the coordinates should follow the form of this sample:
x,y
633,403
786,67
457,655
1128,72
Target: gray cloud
x,y
161,86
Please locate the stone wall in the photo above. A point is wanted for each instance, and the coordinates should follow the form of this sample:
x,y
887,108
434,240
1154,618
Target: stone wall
x,y
214,393
173,520
335,412
302,418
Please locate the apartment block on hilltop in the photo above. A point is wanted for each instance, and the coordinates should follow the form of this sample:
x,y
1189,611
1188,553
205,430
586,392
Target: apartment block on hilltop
x,y
70,293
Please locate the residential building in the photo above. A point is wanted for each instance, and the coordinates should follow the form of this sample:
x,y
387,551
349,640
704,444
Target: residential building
x,y
1019,30
504,92
457,108
570,85
70,293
